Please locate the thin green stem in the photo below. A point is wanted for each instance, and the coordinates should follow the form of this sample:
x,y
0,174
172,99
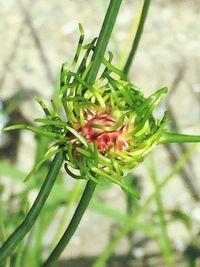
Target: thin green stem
x,y
78,214
97,58
163,236
137,36
74,196
168,137
103,38
14,239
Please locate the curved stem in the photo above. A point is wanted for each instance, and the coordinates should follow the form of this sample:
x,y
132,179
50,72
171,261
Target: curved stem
x,y
137,36
14,239
97,58
168,137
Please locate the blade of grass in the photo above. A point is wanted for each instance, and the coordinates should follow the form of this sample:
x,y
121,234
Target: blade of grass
x,y
164,241
19,256
83,204
73,197
108,211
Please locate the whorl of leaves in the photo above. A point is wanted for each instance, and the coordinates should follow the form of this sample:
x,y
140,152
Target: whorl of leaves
x,y
113,94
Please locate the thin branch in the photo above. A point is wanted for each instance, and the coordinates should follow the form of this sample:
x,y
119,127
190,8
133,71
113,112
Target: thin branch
x,y
169,137
137,36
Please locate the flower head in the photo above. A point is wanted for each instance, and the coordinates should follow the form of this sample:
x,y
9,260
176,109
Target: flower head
x,y
109,125
112,116
96,129
115,116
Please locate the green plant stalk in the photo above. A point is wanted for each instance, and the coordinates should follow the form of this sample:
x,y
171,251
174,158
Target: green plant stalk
x,y
164,241
97,58
34,253
103,39
14,239
74,196
129,42
137,36
19,256
131,222
82,206
168,137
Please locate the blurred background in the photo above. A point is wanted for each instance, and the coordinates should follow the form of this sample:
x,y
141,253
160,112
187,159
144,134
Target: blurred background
x,y
36,37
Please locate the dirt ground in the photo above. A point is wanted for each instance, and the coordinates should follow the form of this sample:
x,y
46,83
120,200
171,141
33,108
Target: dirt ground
x,y
38,36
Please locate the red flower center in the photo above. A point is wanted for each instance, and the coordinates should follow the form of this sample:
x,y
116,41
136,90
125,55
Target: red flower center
x,y
105,140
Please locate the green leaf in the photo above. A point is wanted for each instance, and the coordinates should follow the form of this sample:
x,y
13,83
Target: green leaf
x,y
168,137
43,105
35,130
115,180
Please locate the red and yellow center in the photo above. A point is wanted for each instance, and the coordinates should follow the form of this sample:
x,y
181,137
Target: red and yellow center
x,y
105,140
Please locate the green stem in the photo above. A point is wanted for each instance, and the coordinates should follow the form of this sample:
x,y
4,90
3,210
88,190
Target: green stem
x,y
78,214
14,239
74,196
163,236
97,58
137,36
103,38
168,137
